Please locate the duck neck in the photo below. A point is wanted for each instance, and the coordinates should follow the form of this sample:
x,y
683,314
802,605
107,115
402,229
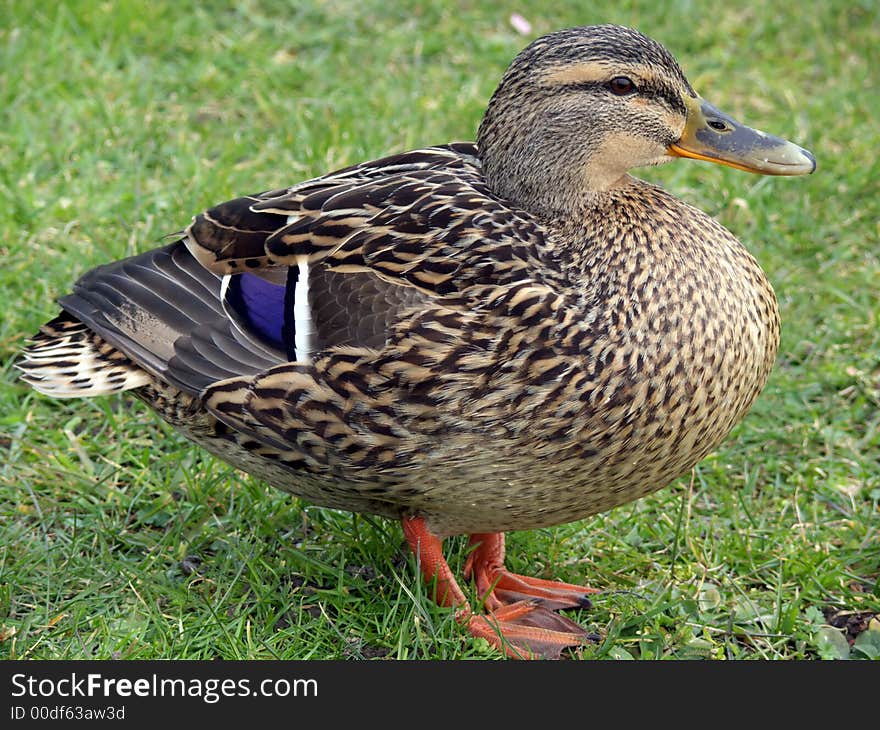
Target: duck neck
x,y
555,184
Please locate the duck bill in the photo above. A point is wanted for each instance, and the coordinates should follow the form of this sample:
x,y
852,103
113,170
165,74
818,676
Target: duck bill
x,y
711,135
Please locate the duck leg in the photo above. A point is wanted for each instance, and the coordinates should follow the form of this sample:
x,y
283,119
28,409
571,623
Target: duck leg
x,y
521,629
498,586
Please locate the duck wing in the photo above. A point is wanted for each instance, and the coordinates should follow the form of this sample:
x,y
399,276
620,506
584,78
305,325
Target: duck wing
x,y
398,253
298,294
424,219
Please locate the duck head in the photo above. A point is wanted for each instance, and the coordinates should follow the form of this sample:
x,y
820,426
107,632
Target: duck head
x,y
578,108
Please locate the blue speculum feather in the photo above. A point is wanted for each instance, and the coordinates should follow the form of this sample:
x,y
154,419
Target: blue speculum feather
x,y
261,304
266,309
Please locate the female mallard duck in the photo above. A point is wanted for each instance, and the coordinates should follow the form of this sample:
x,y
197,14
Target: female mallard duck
x,y
470,338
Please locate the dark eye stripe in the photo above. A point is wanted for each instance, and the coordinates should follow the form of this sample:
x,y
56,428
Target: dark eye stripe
x,y
665,93
579,86
660,92
672,100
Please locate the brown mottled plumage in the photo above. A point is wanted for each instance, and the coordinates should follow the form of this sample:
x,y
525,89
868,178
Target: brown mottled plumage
x,y
471,338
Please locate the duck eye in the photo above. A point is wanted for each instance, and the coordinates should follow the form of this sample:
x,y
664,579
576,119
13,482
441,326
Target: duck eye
x,y
621,85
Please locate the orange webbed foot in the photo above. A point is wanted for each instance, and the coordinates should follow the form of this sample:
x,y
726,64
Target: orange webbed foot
x,y
521,621
525,630
498,586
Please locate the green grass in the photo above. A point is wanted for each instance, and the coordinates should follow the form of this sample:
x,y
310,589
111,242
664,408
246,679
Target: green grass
x,y
119,120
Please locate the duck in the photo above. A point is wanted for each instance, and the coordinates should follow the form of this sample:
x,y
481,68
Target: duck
x,y
471,338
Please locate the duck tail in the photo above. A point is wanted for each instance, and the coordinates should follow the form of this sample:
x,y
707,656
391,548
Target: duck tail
x,y
65,359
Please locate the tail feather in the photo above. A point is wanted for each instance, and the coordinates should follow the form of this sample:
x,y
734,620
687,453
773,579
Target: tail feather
x,y
67,360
